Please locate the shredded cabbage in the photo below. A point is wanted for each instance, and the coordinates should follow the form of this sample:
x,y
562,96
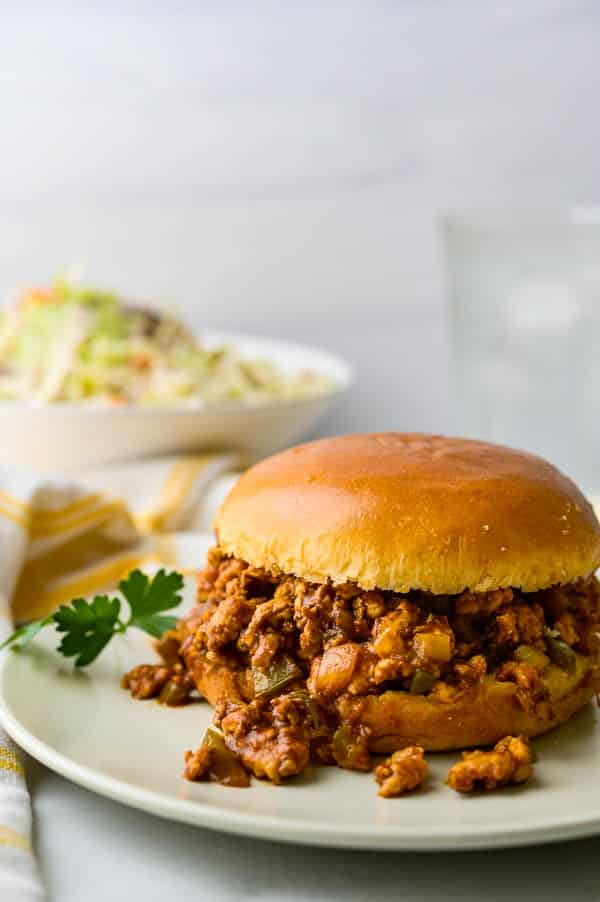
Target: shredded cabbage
x,y
69,343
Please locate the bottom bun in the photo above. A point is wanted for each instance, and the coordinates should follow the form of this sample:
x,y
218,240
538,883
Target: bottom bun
x,y
477,718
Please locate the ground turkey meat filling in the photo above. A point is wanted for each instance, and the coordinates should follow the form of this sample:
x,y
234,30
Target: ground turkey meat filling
x,y
283,660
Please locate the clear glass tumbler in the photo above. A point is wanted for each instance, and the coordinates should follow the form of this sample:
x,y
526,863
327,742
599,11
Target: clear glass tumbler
x,y
525,326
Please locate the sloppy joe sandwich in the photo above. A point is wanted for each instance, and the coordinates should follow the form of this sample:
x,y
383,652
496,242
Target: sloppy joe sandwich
x,y
373,592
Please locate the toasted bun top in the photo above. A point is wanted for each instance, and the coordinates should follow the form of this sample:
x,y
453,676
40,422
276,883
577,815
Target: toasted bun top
x,y
407,511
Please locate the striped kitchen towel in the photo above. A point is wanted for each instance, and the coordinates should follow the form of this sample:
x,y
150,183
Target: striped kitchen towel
x,y
19,877
61,538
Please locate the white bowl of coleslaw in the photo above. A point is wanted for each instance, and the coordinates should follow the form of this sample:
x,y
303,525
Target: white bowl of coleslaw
x,y
70,436
85,381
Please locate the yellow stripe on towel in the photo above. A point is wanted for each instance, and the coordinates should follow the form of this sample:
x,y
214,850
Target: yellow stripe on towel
x,y
31,602
10,501
48,514
80,553
10,837
173,493
89,518
147,521
21,519
9,761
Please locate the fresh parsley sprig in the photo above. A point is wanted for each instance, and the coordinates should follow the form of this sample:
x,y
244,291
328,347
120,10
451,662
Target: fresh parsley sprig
x,y
88,626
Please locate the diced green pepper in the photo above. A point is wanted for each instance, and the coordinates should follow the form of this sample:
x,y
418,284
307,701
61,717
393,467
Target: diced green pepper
x,y
224,766
280,674
311,707
560,653
421,682
174,692
350,749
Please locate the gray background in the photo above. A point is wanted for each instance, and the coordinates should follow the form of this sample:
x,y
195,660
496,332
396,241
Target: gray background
x,y
279,167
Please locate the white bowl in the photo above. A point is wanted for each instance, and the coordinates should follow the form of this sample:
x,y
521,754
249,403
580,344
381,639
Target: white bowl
x,y
71,436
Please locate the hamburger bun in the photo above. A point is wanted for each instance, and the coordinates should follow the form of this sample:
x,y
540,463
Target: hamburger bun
x,y
407,511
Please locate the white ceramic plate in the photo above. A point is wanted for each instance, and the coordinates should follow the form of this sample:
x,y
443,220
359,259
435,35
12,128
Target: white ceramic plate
x,y
73,436
82,725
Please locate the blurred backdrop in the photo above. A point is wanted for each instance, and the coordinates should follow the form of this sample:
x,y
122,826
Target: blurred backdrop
x,y
281,168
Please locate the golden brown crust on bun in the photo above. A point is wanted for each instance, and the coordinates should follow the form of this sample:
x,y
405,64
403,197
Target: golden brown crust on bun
x,y
477,717
408,511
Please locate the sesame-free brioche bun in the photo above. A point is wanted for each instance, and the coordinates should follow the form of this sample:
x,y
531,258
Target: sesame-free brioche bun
x,y
408,511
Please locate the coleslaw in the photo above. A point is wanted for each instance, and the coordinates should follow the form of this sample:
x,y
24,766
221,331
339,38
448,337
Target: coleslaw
x,y
68,343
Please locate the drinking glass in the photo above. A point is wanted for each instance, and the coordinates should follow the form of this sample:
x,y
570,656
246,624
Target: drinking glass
x,y
525,333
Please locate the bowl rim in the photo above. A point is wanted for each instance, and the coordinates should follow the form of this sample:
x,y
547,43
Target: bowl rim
x,y
343,373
